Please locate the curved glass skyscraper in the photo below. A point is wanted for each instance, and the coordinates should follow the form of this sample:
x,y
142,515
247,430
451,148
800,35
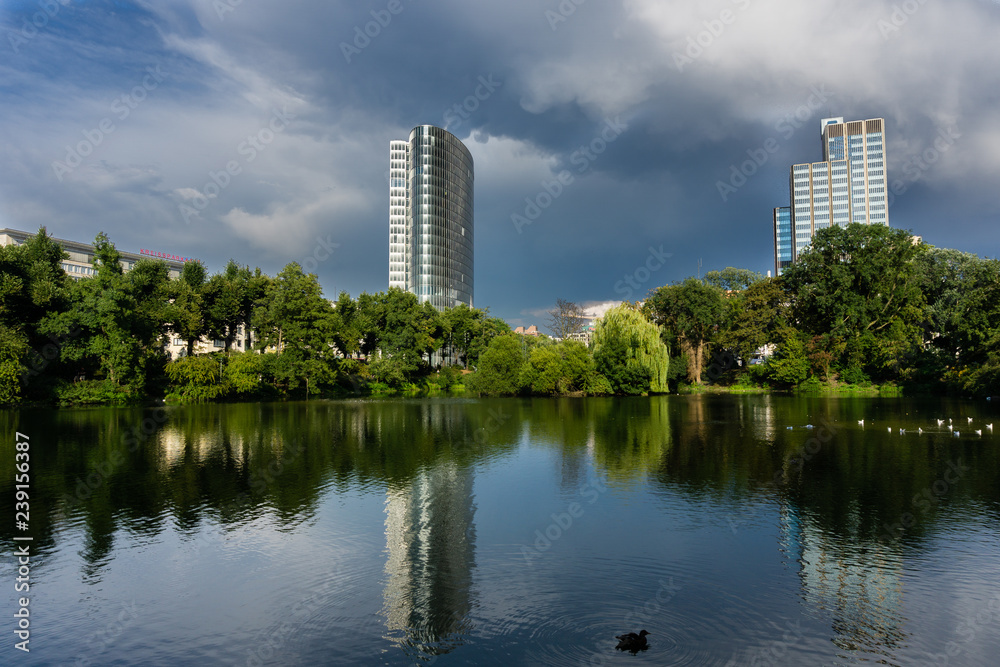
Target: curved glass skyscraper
x,y
431,217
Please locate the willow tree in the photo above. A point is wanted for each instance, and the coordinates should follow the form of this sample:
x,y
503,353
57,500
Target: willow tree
x,y
629,352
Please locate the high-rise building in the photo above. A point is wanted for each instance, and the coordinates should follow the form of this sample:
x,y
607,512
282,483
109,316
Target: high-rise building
x,y
782,238
431,217
849,185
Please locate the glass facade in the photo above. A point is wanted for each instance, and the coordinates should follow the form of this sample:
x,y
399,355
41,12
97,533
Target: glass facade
x,y
849,185
431,217
782,238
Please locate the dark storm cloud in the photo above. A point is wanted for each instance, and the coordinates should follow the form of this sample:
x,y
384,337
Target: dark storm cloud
x,y
628,126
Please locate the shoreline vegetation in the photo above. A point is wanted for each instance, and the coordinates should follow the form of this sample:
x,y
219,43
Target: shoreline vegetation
x,y
866,310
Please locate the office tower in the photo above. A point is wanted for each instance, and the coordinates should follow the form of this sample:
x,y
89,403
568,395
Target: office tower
x,y
431,217
849,185
782,238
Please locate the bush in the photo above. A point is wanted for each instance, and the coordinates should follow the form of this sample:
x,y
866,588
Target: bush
x,y
242,373
499,367
94,392
195,378
598,385
855,375
387,371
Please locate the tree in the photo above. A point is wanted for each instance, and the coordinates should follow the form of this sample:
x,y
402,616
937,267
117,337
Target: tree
x,y
187,317
295,317
732,280
544,372
629,352
860,283
32,286
566,318
346,334
499,368
789,365
116,324
962,294
692,312
224,300
755,317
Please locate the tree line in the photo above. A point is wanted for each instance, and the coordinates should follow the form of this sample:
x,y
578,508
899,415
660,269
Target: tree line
x,y
101,339
863,305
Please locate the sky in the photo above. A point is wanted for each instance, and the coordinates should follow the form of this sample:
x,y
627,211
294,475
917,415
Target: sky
x,y
618,145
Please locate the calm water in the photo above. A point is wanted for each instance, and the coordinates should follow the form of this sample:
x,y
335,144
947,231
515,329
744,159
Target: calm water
x,y
509,532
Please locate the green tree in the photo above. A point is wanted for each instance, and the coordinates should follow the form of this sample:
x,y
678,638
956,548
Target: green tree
x,y
790,365
756,315
297,321
33,286
629,352
223,302
499,369
116,325
196,378
692,312
346,332
860,283
544,372
186,314
398,326
732,280
294,315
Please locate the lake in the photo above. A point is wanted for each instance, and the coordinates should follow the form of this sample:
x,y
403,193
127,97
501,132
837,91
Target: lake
x,y
737,530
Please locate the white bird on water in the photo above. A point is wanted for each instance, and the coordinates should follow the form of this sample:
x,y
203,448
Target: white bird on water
x,y
920,430
956,433
950,427
861,422
970,420
902,431
989,426
889,429
979,431
940,421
